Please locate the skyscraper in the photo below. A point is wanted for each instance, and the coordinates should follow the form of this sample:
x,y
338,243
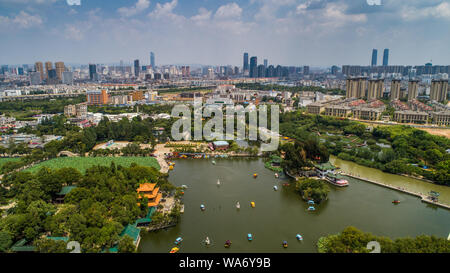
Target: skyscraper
x,y
39,67
92,71
253,67
374,57
48,66
305,70
137,68
35,78
439,90
375,89
67,77
413,90
395,89
245,61
59,66
265,63
386,57
152,60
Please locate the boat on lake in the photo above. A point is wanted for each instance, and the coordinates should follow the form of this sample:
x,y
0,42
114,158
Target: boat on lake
x,y
276,175
249,237
213,162
178,240
207,241
252,204
227,243
285,244
202,207
311,208
396,202
174,250
255,175
275,188
218,182
299,237
238,206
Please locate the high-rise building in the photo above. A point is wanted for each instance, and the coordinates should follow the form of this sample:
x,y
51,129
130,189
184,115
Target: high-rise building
x,y
59,67
375,89
253,67
92,72
245,68
413,89
186,71
137,68
265,63
152,60
334,70
395,89
48,66
356,87
261,71
52,78
374,57
386,57
35,78
67,77
306,70
439,90
39,67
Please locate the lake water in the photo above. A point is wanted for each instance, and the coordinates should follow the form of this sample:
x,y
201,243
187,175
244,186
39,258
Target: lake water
x,y
280,215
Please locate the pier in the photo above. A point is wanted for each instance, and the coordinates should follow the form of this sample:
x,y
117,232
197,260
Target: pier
x,y
423,197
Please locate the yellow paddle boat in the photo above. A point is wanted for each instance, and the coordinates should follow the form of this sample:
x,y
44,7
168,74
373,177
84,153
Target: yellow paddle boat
x,y
252,204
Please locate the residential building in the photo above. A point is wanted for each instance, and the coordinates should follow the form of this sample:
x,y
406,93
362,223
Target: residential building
x,y
408,116
97,97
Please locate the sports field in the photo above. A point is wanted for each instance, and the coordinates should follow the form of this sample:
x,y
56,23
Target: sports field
x,y
83,163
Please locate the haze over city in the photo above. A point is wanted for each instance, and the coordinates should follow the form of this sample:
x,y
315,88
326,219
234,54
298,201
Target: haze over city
x,y
287,32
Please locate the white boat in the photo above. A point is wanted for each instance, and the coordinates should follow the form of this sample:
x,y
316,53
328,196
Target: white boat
x,y
275,188
184,186
238,206
276,175
218,182
207,241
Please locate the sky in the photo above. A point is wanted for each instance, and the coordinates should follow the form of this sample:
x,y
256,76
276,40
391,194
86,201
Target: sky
x,y
218,32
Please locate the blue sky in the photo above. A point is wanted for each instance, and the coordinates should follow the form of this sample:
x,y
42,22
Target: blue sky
x,y
286,32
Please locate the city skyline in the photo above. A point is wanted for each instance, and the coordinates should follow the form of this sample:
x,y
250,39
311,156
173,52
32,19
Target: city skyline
x,y
291,32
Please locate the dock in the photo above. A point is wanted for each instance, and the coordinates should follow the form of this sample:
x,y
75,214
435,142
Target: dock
x,y
424,198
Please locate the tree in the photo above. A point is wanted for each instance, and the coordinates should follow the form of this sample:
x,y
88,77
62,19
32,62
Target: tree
x,y
5,241
51,246
126,245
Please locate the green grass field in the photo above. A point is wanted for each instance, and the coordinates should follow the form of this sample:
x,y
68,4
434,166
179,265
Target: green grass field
x,y
7,159
83,163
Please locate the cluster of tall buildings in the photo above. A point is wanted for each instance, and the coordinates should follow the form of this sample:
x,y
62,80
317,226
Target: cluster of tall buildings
x,y
361,87
50,74
253,70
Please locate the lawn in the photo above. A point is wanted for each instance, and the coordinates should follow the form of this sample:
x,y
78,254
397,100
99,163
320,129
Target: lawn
x,y
4,160
83,163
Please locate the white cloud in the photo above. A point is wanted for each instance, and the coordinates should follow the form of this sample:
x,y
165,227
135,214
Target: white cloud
x,y
202,16
164,10
23,20
440,11
230,10
140,6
